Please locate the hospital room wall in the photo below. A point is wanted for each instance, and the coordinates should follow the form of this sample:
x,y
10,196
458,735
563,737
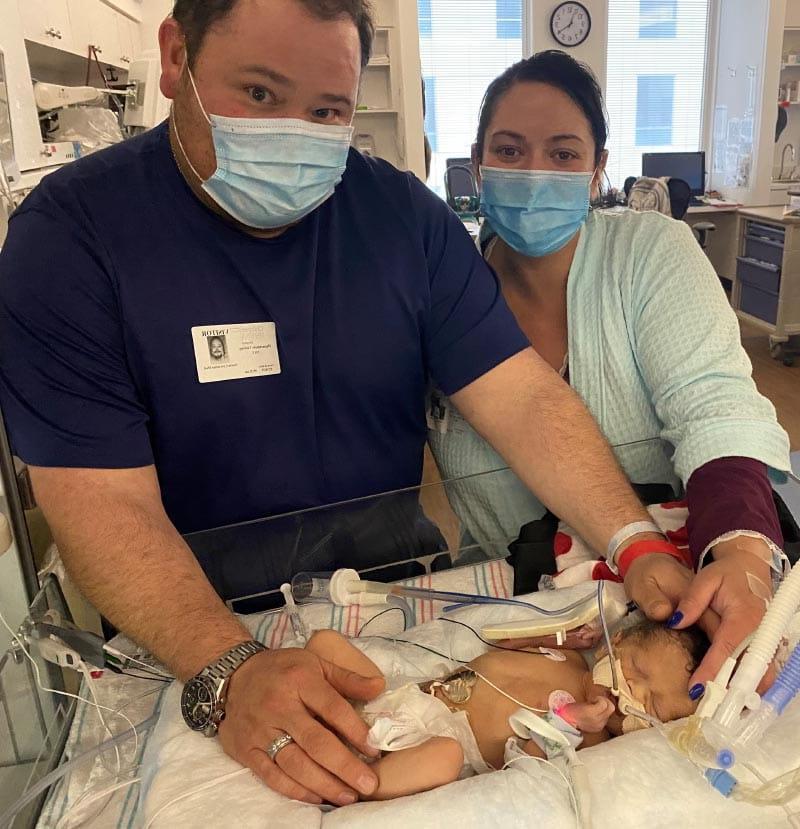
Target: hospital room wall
x,y
153,12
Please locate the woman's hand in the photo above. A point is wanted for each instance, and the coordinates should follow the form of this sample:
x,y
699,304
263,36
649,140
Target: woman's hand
x,y
737,587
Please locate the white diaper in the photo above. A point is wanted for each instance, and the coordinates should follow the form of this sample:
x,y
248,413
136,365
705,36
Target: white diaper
x,y
407,717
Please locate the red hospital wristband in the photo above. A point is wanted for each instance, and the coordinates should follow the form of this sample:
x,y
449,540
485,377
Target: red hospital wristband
x,y
645,548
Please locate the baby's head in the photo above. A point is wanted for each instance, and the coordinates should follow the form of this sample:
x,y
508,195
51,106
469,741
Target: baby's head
x,y
655,664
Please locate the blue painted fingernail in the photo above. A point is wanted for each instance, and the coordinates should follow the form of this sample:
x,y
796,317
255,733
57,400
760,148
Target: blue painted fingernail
x,y
675,619
696,691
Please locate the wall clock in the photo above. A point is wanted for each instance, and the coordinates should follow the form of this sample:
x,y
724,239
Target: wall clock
x,y
570,24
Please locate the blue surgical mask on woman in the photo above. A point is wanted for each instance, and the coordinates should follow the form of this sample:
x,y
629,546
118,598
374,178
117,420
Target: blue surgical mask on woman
x,y
271,172
536,212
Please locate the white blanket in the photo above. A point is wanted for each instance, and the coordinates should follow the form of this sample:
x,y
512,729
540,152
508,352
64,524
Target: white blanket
x,y
634,781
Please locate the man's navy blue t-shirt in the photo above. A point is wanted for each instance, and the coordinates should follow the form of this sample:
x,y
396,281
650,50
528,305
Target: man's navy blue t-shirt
x,y
112,261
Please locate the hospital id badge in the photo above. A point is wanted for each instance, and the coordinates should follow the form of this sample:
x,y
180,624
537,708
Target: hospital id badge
x,y
234,352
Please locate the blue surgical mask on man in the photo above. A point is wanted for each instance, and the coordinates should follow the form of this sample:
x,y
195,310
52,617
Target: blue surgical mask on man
x,y
271,172
536,212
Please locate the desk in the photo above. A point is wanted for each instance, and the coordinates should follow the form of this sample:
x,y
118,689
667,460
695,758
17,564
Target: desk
x,y
710,208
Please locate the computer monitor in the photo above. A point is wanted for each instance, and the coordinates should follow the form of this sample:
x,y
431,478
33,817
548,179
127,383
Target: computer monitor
x,y
691,167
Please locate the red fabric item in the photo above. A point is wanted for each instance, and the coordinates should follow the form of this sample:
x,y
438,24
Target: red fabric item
x,y
644,548
562,544
726,495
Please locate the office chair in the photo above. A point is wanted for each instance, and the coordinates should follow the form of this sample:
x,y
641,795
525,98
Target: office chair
x,y
701,231
680,194
461,189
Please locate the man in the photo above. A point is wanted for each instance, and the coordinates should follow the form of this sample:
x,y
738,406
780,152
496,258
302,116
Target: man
x,y
232,221
216,348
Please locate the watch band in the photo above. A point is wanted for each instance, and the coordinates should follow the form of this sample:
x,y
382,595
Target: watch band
x,y
223,667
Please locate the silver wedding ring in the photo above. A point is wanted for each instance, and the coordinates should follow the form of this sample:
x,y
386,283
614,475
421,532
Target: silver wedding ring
x,y
277,744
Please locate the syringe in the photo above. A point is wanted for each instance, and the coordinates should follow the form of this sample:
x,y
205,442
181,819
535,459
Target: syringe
x,y
298,628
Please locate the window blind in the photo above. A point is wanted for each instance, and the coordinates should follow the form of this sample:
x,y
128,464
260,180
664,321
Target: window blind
x,y
463,47
655,81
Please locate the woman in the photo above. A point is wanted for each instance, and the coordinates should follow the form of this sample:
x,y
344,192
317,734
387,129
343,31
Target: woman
x,y
627,307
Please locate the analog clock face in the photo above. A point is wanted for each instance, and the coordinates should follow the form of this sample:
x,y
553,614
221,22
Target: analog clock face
x,y
571,24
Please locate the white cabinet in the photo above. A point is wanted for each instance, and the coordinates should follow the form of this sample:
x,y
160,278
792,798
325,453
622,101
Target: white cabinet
x,y
105,34
46,22
74,25
81,13
792,14
129,39
388,122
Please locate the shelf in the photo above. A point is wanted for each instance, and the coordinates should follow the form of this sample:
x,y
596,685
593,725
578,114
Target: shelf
x,y
788,103
790,66
376,112
380,60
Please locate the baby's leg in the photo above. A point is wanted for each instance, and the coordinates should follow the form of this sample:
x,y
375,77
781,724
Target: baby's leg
x,y
333,647
436,762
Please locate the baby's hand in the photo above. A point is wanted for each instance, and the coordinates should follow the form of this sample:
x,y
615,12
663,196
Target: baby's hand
x,y
589,717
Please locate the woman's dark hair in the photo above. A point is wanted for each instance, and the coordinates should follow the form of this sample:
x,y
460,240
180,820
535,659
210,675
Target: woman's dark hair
x,y
557,69
198,16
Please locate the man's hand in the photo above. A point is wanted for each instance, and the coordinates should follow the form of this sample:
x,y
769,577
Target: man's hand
x,y
735,586
656,583
297,693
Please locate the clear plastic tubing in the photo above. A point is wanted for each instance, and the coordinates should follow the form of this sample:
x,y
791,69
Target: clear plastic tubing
x,y
7,818
783,691
741,692
312,587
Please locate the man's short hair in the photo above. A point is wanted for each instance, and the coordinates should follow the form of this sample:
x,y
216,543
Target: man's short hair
x,y
196,17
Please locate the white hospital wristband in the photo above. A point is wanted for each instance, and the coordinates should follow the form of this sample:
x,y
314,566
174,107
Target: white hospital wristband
x,y
625,534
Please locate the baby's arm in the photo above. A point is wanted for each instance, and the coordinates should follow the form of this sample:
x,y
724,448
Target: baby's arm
x,y
590,717
434,763
333,647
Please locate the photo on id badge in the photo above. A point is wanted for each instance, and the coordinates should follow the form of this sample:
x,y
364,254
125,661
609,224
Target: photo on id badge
x,y
235,352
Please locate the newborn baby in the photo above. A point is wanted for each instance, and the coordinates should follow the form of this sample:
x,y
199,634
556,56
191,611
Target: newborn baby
x,y
436,732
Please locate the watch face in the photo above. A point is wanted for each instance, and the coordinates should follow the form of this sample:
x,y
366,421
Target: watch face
x,y
199,703
571,24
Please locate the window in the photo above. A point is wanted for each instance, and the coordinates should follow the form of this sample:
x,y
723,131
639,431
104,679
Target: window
x,y
509,19
658,19
462,53
655,80
430,112
655,97
425,22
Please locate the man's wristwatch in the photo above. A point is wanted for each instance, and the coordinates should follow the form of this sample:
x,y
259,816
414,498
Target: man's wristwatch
x,y
203,697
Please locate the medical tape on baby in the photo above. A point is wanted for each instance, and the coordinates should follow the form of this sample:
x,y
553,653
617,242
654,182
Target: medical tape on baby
x,y
628,532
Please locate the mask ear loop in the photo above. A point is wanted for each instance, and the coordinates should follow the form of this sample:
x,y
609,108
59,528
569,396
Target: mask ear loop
x,y
175,123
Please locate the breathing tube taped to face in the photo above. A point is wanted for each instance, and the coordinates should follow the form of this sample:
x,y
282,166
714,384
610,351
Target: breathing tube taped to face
x,y
7,818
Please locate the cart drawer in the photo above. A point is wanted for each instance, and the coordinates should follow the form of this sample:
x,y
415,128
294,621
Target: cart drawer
x,y
771,233
758,303
761,275
764,250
